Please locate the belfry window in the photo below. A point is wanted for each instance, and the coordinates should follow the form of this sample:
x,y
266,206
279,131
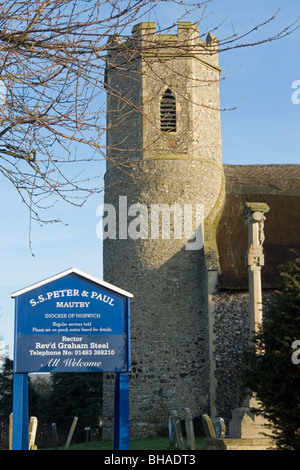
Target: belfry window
x,y
168,112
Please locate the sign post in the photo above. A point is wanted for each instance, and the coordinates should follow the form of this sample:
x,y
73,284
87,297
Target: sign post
x,y
71,322
20,438
121,415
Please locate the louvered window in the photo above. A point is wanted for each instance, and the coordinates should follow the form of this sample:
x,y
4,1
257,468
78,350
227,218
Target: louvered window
x,y
168,112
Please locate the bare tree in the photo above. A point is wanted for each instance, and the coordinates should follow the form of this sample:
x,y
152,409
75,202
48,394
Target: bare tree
x,y
52,90
52,60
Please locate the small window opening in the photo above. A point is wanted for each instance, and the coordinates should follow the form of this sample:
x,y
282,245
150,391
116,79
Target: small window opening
x,y
168,112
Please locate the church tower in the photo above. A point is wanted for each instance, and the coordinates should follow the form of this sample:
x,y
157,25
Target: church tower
x,y
164,182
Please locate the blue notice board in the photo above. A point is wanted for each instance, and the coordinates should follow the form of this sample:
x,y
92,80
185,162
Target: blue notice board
x,y
71,322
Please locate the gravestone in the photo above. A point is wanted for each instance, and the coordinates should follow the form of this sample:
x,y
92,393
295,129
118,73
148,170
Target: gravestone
x,y
189,428
219,427
175,432
247,424
208,427
71,432
172,434
33,424
215,437
178,433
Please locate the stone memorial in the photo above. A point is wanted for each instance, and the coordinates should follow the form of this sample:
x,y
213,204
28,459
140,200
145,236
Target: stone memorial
x,y
219,427
208,427
189,428
177,433
245,424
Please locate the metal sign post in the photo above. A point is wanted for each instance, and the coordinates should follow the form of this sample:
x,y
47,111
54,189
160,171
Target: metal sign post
x,y
121,415
71,322
20,438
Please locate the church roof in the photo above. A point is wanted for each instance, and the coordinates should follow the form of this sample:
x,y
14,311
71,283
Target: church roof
x,y
279,187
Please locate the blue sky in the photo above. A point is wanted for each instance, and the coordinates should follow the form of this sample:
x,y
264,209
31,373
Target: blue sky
x,y
264,129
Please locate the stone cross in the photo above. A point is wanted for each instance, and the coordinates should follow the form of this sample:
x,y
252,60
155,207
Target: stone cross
x,y
245,424
254,218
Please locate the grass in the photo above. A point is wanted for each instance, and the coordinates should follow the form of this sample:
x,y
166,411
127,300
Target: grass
x,y
153,443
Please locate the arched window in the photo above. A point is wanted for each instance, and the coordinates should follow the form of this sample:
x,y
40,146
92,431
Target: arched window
x,y
168,112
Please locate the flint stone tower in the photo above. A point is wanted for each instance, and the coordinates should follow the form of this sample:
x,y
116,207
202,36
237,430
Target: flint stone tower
x,y
163,148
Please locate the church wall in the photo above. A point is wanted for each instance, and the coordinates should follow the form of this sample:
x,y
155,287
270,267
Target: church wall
x,y
231,329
